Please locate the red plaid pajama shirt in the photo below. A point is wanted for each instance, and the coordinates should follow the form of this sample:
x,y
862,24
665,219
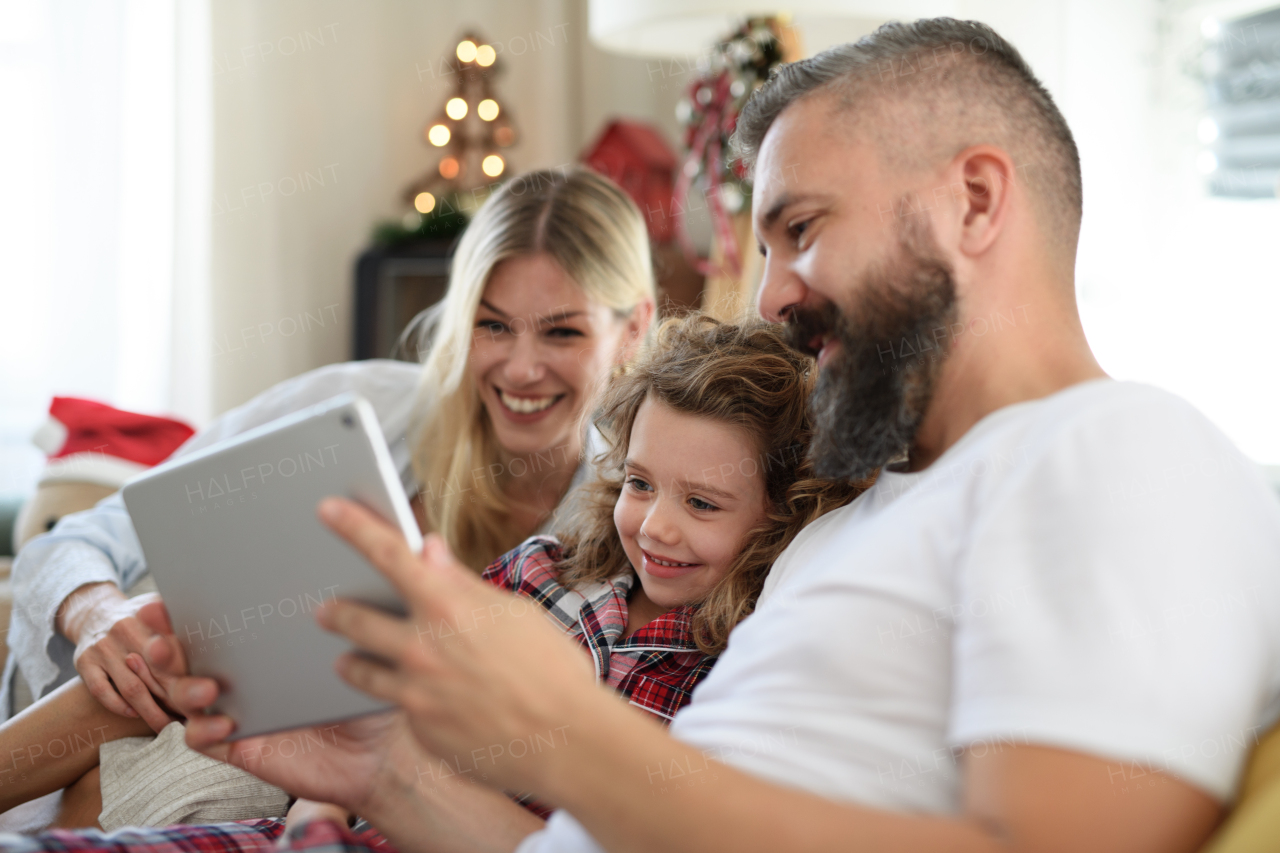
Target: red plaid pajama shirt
x,y
656,668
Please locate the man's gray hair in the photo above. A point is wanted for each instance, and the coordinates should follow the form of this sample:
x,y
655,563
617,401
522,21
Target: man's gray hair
x,y
963,84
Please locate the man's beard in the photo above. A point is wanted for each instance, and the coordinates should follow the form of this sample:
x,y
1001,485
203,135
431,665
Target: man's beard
x,y
873,392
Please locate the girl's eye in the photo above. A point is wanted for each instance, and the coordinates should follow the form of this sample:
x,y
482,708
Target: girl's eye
x,y
699,503
795,229
638,484
493,327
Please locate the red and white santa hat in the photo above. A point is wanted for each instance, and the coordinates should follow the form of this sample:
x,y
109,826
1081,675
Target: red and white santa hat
x,y
89,442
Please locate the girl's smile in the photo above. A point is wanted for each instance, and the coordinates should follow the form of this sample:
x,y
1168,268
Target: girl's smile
x,y
665,567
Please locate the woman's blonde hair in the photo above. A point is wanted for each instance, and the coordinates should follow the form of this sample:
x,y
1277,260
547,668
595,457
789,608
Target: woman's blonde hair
x,y
597,235
744,375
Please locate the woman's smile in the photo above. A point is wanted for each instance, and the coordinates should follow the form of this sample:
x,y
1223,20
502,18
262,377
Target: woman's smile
x,y
535,368
524,404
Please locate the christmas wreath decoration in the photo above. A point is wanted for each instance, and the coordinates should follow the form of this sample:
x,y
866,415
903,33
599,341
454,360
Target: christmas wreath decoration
x,y
709,112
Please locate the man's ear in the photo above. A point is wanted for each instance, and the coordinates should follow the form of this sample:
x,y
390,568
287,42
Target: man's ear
x,y
987,176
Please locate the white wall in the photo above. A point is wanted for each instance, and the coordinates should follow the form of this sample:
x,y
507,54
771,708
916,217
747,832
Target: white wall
x,y
86,163
1176,289
349,109
318,112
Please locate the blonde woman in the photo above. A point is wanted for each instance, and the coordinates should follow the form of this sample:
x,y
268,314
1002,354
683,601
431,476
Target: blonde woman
x,y
551,290
553,293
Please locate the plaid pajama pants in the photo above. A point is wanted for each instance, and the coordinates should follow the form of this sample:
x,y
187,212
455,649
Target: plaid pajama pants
x,y
250,836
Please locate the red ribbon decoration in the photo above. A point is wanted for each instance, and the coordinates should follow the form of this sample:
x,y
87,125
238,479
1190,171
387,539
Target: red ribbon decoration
x,y
704,150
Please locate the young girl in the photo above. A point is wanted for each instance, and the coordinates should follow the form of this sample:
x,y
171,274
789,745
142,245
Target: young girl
x,y
703,483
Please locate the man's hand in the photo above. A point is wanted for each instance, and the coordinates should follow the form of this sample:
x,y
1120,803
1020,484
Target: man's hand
x,y
305,811
371,766
341,763
344,763
109,638
482,674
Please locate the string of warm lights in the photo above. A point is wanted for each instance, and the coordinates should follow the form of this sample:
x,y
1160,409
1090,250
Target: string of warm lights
x,y
476,64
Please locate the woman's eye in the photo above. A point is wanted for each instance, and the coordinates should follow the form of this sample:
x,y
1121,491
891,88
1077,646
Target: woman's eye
x,y
493,327
564,332
699,503
638,484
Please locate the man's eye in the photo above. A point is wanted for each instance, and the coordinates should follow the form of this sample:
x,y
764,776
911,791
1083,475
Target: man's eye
x,y
638,484
699,503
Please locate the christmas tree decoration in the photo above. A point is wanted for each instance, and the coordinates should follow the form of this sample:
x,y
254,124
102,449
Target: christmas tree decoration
x,y
736,67
469,132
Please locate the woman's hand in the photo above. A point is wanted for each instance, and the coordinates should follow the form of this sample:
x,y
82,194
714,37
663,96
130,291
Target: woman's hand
x,y
104,625
482,675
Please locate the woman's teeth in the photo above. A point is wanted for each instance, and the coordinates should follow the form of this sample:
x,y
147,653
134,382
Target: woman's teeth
x,y
526,405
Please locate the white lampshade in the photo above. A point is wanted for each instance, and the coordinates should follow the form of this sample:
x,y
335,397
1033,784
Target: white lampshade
x,y
665,28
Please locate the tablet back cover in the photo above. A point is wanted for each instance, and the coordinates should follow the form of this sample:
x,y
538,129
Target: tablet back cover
x,y
242,561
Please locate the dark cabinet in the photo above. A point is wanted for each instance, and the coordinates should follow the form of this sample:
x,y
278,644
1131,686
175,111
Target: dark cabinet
x,y
394,284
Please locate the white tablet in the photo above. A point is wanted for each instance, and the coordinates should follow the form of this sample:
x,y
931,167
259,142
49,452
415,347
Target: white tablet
x,y
242,561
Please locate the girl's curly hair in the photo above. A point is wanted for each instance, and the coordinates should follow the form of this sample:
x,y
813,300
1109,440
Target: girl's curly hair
x,y
743,374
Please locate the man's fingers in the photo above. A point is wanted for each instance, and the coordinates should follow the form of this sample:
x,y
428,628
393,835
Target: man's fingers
x,y
446,570
190,696
373,678
102,689
369,629
380,543
206,735
250,754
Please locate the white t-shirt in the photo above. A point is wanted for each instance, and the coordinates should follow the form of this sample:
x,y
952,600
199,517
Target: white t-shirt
x,y
1097,570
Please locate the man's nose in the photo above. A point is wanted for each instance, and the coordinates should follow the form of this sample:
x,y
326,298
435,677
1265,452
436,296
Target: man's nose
x,y
780,288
